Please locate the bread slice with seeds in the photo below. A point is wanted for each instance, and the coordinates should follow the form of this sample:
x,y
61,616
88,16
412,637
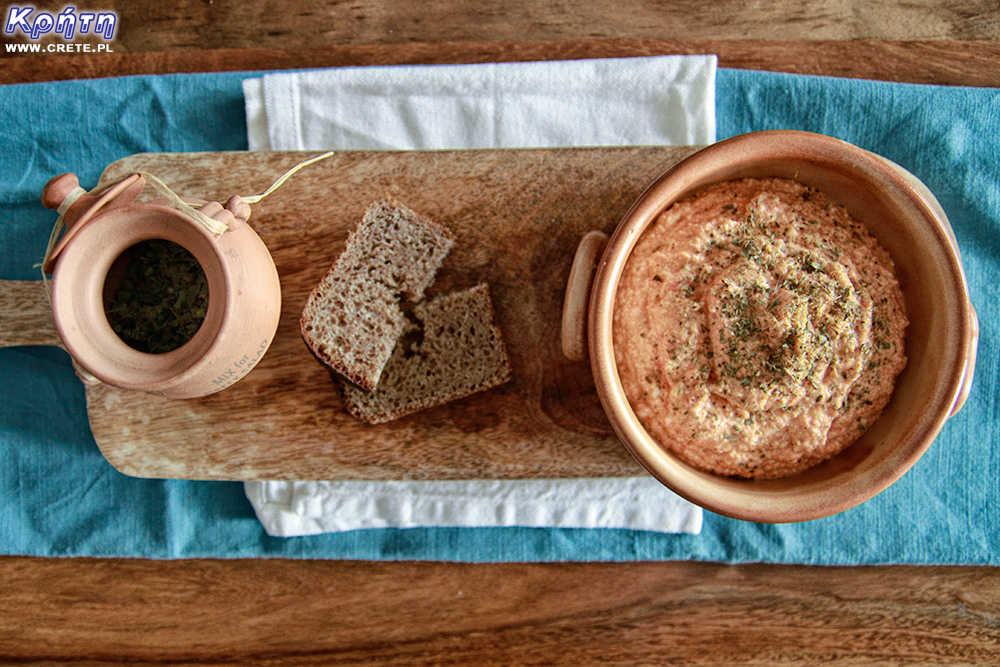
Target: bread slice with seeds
x,y
452,347
353,317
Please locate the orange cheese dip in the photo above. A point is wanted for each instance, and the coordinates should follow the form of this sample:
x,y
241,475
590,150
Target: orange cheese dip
x,y
758,328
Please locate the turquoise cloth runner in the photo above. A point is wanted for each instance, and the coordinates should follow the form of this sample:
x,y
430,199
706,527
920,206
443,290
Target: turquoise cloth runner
x,y
59,497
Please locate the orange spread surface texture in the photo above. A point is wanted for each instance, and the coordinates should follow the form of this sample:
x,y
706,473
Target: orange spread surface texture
x,y
758,328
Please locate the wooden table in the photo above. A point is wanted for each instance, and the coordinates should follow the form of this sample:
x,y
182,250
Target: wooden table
x,y
98,611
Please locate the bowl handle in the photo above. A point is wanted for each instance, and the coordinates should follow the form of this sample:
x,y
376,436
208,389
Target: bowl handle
x,y
970,363
577,298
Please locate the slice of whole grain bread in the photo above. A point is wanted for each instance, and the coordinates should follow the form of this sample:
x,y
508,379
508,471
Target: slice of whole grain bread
x,y
353,318
452,347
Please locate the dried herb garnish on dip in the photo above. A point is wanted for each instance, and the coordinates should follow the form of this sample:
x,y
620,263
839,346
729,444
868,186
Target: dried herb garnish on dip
x,y
162,299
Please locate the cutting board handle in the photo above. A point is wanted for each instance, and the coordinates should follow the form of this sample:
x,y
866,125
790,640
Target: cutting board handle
x,y
25,314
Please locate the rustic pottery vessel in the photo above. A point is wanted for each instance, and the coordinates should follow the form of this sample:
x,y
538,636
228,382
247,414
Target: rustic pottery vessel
x,y
244,292
941,339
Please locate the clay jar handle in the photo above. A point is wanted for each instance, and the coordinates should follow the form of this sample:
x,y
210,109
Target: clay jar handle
x,y
577,299
83,209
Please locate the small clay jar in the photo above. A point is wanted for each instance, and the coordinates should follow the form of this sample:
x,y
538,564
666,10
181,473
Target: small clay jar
x,y
244,294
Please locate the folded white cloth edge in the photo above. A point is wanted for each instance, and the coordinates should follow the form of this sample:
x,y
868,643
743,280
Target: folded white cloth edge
x,y
310,508
280,116
654,100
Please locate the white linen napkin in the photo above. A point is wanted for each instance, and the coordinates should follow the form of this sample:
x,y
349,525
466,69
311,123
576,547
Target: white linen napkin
x,y
661,100
309,508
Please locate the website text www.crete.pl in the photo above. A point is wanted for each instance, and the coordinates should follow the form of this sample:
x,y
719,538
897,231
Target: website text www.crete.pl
x,y
58,48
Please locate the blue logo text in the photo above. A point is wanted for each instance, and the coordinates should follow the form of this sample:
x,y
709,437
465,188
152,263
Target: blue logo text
x,y
67,23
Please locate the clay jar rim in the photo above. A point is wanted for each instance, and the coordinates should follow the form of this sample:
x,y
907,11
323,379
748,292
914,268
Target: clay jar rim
x,y
78,297
855,475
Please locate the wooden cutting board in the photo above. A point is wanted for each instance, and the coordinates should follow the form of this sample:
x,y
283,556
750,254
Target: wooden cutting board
x,y
517,215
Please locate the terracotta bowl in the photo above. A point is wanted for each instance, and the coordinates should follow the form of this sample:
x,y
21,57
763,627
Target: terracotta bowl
x,y
940,341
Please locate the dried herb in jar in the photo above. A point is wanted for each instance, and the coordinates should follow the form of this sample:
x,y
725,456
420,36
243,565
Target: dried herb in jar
x,y
162,299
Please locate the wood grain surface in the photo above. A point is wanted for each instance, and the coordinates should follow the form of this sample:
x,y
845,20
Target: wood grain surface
x,y
149,25
277,612
208,612
944,62
518,217
26,314
927,41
